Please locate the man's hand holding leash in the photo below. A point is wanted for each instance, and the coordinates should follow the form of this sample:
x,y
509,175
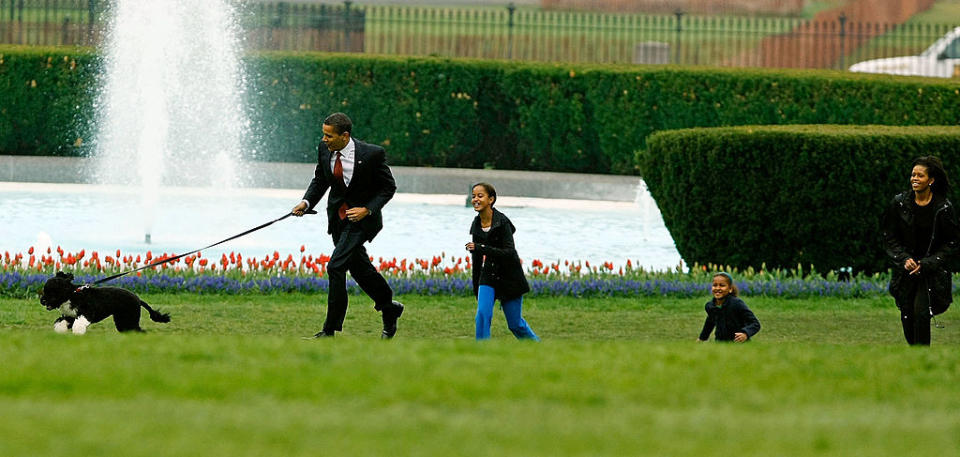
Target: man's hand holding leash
x,y
301,209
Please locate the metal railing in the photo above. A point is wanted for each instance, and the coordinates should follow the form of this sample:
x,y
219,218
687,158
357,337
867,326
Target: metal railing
x,y
511,33
50,22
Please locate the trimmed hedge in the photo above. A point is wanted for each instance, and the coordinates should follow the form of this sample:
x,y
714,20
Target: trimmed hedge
x,y
786,195
46,100
469,113
533,116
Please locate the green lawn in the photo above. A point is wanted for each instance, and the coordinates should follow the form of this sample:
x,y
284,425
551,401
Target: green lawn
x,y
230,376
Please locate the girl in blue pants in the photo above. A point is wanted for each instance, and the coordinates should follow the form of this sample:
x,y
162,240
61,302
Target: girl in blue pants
x,y
497,273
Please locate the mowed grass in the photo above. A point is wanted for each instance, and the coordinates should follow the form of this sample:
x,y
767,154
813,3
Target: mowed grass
x,y
230,376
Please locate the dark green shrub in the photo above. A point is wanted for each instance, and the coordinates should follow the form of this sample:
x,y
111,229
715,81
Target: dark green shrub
x,y
470,113
584,118
786,195
45,100
425,112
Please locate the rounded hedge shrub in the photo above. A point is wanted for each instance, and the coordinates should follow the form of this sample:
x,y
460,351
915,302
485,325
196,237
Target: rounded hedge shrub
x,y
786,195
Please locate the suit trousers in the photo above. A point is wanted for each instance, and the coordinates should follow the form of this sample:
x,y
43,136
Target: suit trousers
x,y
350,255
916,320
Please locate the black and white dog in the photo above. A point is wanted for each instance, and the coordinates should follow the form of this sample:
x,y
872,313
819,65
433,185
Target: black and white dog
x,y
81,306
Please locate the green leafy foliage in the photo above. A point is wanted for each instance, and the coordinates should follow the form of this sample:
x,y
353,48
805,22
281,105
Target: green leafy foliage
x,y
786,195
474,113
45,100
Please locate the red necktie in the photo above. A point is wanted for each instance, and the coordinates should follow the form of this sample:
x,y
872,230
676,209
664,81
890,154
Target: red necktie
x,y
338,174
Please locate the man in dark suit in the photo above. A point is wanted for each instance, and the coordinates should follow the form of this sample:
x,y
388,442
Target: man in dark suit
x,y
360,184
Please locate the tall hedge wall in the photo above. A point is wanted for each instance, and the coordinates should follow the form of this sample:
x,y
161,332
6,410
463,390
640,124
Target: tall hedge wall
x,y
784,195
46,100
467,113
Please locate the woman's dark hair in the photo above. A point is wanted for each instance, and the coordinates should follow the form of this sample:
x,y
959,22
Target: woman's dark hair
x,y
340,122
941,184
488,188
733,287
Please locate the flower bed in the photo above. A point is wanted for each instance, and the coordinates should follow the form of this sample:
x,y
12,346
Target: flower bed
x,y
23,274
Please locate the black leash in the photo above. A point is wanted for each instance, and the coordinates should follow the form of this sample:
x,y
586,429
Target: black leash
x,y
171,259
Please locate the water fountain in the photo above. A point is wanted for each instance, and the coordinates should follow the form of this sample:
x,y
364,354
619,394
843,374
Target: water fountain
x,y
170,107
171,119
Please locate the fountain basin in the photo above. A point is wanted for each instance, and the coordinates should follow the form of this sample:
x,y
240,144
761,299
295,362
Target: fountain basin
x,y
107,218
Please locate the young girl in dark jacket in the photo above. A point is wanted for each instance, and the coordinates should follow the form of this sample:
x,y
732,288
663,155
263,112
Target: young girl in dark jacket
x,y
497,273
728,313
920,235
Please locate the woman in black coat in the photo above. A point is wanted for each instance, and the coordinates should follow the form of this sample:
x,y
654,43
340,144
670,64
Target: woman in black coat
x,y
921,236
497,273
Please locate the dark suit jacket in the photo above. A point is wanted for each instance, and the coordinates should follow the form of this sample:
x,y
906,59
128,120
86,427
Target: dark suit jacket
x,y
372,186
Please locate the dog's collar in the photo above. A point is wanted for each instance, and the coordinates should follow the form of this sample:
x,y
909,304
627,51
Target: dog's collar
x,y
81,288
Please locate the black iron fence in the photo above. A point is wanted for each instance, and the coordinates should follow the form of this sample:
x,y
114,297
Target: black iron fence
x,y
303,26
510,33
266,26
51,22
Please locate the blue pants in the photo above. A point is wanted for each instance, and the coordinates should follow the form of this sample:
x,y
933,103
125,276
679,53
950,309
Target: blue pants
x,y
511,309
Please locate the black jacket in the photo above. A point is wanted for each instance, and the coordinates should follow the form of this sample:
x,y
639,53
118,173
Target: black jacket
x,y
371,186
733,317
495,261
899,241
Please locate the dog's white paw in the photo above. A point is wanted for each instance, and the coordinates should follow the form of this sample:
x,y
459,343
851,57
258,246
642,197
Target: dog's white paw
x,y
80,325
60,327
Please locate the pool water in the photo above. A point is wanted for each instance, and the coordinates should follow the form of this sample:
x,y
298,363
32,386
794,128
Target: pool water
x,y
106,218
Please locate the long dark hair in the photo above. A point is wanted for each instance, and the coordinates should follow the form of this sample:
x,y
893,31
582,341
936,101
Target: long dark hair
x,y
941,184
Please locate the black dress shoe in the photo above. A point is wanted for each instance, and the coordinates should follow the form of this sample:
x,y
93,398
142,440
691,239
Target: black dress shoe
x,y
390,317
320,334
